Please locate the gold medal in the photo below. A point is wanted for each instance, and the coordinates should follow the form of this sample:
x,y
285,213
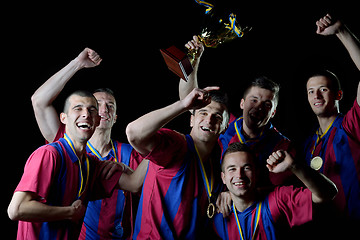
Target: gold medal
x,y
210,210
316,163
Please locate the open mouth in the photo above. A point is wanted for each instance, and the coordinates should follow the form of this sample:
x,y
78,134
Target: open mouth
x,y
83,125
206,129
104,118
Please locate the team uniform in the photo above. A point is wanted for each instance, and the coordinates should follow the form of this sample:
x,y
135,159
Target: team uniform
x,y
339,148
53,172
268,141
259,220
110,218
174,198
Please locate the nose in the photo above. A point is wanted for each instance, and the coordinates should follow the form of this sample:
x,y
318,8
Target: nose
x,y
85,113
103,108
318,95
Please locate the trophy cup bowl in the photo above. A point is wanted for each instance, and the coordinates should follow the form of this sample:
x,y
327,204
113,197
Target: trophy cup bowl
x,y
214,32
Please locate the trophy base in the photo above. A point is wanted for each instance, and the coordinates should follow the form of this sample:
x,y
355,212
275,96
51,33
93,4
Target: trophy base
x,y
177,61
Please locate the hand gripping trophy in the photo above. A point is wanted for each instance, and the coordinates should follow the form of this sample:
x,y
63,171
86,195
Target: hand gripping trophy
x,y
214,32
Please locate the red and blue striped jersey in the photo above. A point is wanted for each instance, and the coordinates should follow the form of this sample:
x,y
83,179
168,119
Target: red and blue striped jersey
x,y
339,148
53,173
174,200
285,203
110,218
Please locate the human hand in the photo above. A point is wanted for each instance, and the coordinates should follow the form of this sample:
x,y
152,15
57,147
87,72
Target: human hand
x,y
279,161
111,167
198,98
89,58
78,210
327,26
196,47
223,203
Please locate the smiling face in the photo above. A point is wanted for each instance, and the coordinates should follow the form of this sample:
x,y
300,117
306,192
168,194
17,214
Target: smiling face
x,y
258,107
81,118
238,173
107,110
321,96
207,122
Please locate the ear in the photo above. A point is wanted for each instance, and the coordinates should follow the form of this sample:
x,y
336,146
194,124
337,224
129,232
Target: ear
x,y
115,118
242,103
273,113
192,120
339,95
223,177
63,118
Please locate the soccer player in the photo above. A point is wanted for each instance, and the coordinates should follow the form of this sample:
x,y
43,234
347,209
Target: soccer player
x,y
334,149
59,178
111,217
254,128
183,177
254,216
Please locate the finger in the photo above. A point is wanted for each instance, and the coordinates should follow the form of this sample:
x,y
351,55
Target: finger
x,y
212,88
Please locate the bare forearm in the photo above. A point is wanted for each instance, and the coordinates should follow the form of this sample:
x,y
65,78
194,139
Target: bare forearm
x,y
322,188
140,133
351,44
185,87
34,211
47,93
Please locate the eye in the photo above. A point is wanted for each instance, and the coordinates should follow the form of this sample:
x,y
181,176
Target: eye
x,y
248,168
323,89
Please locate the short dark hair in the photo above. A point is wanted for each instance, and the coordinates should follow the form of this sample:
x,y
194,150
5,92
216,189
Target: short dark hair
x,y
81,93
236,147
335,82
105,90
265,83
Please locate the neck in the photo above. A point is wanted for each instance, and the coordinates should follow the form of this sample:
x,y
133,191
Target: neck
x,y
79,147
243,202
250,133
204,148
101,141
324,122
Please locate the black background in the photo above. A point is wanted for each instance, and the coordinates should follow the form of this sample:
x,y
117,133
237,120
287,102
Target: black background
x,y
40,39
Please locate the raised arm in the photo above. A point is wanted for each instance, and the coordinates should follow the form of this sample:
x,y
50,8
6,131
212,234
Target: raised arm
x,y
186,87
46,116
321,187
327,26
141,133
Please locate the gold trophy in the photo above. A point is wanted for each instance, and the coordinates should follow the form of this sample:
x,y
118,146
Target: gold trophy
x,y
215,32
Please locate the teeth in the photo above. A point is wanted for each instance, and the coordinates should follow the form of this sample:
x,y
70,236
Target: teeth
x,y
83,125
239,183
206,129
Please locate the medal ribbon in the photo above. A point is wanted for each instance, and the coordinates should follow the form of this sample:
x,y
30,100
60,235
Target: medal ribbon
x,y
81,188
208,5
318,138
242,138
96,153
257,218
208,186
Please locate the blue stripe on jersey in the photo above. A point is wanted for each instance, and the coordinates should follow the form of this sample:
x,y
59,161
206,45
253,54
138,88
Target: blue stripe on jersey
x,y
172,201
139,211
348,174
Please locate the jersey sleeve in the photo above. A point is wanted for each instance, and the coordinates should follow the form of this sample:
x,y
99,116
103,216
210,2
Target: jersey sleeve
x,y
293,205
39,172
351,122
169,144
